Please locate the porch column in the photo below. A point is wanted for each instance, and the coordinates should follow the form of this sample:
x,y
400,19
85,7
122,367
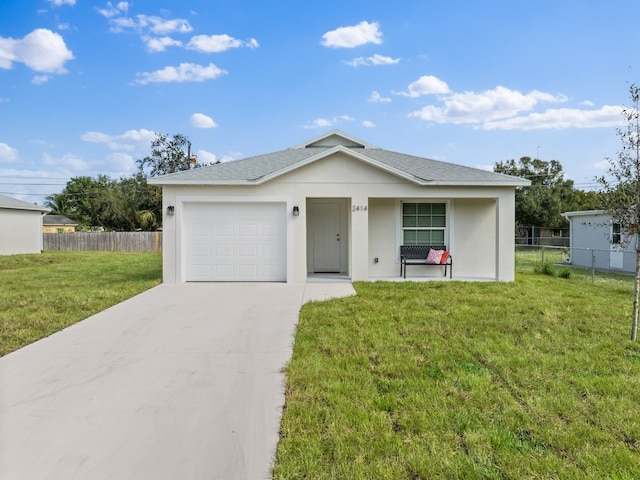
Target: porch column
x,y
359,211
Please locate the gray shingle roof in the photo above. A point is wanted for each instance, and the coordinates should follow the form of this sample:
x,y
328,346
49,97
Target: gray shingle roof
x,y
15,204
57,220
261,168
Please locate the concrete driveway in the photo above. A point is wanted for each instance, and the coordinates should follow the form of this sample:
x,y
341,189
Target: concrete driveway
x,y
181,382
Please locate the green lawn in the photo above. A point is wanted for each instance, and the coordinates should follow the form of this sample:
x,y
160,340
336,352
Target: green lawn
x,y
42,294
534,379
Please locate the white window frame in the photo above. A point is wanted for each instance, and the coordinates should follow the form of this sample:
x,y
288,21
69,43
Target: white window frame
x,y
448,218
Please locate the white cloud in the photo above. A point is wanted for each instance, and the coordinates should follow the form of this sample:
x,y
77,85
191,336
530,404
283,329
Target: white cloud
x,y
128,141
112,11
159,44
41,50
425,85
205,157
319,122
505,109
326,122
121,163
68,161
375,60
40,79
607,116
8,154
353,36
368,124
156,25
376,98
200,120
185,72
218,43
59,3
601,165
472,107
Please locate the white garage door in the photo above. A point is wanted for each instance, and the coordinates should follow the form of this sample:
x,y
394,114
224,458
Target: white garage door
x,y
241,242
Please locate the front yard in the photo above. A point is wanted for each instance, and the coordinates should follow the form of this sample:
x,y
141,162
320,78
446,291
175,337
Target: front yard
x,y
42,294
533,379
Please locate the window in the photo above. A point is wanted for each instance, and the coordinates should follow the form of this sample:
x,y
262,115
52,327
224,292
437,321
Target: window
x,y
616,235
423,223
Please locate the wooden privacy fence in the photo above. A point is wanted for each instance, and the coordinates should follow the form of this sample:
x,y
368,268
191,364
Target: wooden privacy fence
x,y
104,241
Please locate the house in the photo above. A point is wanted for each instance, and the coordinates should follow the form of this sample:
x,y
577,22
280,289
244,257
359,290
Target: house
x,y
596,241
20,226
334,205
58,224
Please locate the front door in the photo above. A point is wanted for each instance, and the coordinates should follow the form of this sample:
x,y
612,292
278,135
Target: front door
x,y
616,254
328,238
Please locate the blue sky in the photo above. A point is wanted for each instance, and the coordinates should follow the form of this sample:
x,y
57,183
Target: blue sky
x,y
85,84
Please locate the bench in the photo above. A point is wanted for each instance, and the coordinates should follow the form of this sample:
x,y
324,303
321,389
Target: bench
x,y
417,255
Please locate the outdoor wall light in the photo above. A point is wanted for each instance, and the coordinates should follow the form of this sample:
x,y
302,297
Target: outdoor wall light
x,y
171,210
296,211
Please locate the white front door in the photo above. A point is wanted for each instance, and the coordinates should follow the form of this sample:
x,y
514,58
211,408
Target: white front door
x,y
328,236
616,254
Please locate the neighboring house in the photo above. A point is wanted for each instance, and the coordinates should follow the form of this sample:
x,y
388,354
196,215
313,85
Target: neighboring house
x,y
58,224
20,226
597,242
334,204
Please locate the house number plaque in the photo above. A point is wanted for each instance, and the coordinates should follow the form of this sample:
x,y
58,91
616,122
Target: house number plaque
x,y
359,208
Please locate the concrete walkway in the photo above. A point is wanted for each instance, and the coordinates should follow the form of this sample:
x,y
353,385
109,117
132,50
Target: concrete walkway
x,y
181,382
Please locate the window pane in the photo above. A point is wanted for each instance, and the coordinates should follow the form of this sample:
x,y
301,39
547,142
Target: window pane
x,y
438,208
423,237
409,221
437,237
423,221
438,221
409,237
409,208
424,209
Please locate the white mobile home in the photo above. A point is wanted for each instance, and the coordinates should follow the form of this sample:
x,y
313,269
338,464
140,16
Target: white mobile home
x,y
596,241
20,226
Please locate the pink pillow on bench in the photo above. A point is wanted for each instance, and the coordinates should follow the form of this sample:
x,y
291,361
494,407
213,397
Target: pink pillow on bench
x,y
434,256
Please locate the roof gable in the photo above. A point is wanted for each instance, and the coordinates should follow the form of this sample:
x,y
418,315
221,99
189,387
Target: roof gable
x,y
263,168
334,138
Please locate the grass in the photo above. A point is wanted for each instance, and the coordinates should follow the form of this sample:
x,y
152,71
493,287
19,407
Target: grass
x,y
532,379
42,294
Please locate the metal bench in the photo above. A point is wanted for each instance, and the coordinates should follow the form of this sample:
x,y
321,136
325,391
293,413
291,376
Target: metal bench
x,y
417,255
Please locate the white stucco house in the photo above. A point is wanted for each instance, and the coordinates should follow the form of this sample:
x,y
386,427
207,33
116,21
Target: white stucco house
x,y
20,226
334,204
596,241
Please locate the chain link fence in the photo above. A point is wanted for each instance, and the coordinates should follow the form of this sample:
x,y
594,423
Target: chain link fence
x,y
596,262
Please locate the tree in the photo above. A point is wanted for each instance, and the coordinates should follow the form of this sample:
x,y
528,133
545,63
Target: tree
x,y
542,203
123,205
168,155
621,186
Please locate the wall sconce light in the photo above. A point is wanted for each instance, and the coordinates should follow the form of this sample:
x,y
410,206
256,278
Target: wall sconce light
x,y
171,210
296,211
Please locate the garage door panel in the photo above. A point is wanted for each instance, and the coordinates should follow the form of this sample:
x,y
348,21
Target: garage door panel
x,y
224,230
235,242
224,250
